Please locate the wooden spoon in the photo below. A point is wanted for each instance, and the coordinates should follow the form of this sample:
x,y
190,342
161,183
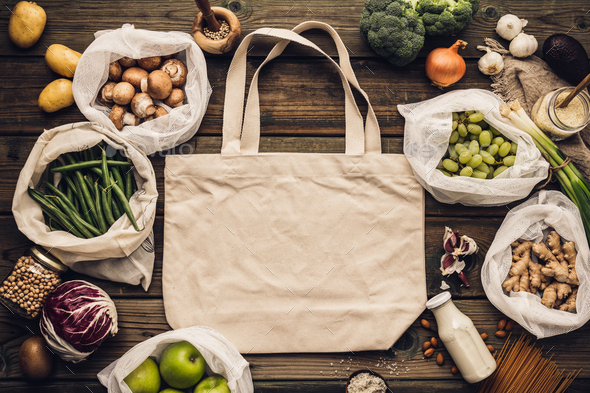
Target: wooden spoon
x,y
212,23
581,86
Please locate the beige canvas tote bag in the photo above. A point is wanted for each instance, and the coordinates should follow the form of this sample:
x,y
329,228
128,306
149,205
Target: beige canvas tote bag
x,y
294,252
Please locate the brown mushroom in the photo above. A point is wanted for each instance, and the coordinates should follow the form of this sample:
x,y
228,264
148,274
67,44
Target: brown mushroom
x,y
143,105
175,98
105,95
160,111
177,71
120,116
159,84
171,56
149,63
115,71
123,93
134,75
127,62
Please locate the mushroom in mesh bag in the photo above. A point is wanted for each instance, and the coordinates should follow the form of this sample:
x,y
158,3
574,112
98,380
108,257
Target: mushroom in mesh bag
x,y
89,197
537,270
462,151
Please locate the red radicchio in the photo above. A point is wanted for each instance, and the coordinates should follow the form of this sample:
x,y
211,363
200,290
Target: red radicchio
x,y
76,318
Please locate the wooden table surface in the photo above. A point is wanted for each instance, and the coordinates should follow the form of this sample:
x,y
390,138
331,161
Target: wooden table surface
x,y
302,106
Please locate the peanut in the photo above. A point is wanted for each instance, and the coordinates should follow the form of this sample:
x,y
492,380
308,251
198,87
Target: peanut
x,y
490,348
501,324
425,324
434,342
425,346
454,370
484,336
428,353
500,334
509,325
440,359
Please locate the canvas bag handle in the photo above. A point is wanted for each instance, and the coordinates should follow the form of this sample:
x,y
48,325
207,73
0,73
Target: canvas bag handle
x,y
357,141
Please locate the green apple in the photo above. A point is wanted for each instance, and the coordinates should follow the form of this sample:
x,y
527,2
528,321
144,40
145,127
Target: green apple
x,y
212,385
182,365
172,391
145,378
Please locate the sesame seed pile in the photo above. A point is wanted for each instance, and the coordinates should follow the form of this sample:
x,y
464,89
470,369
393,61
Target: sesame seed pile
x,y
217,35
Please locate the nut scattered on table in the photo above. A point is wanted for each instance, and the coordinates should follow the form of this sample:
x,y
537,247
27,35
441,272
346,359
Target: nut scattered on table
x,y
440,359
454,370
501,324
509,325
426,345
434,342
484,336
500,334
429,352
490,348
425,324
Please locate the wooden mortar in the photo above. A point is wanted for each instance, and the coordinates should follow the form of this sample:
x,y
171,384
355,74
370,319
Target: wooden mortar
x,y
217,46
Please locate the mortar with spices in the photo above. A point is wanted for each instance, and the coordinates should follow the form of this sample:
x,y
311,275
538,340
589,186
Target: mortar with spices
x,y
216,30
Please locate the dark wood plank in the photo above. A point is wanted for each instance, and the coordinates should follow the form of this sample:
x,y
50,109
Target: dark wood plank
x,y
74,23
302,96
141,319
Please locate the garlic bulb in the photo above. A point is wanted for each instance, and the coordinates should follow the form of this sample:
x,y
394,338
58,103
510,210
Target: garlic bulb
x,y
491,63
523,45
509,26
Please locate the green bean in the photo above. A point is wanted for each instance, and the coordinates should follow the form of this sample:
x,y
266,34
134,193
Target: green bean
x,y
89,183
118,179
69,194
125,204
96,171
52,210
51,165
116,211
129,183
86,199
92,156
69,158
85,155
60,194
102,226
75,220
105,175
71,184
90,164
106,208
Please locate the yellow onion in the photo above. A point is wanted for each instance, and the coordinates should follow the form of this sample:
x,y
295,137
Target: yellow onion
x,y
444,66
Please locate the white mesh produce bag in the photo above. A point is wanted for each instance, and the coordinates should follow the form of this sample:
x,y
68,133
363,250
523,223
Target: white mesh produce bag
x,y
426,139
121,254
162,133
220,355
532,221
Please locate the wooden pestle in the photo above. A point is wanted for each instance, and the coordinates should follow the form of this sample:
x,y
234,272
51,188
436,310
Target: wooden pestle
x,y
212,23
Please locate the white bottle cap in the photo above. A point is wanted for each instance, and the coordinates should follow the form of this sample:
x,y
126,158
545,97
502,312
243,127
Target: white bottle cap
x,y
438,300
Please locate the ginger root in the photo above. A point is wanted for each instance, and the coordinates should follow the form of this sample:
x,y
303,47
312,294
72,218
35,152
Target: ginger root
x,y
536,276
554,243
570,256
553,268
557,290
519,272
570,304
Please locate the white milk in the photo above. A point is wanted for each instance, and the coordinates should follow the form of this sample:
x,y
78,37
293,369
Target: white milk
x,y
461,339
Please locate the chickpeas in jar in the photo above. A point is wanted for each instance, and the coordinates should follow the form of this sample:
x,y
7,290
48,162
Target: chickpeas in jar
x,y
32,279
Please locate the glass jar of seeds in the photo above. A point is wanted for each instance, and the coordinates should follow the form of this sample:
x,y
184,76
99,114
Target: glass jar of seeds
x,y
561,123
34,276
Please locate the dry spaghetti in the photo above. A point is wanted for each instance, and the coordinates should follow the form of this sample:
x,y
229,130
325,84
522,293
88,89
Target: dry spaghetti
x,y
521,368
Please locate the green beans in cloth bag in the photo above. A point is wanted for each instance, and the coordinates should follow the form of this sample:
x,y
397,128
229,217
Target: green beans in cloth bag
x,y
122,253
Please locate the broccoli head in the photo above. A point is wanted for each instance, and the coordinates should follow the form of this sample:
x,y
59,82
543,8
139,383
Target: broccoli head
x,y
446,17
393,29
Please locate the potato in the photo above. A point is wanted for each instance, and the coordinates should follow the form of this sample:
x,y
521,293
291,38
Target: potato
x,y
56,95
26,24
62,59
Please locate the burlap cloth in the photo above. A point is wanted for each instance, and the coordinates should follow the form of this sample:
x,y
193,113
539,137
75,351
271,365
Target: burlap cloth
x,y
527,80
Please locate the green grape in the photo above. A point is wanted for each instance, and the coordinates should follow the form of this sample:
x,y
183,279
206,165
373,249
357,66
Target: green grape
x,y
509,161
465,156
490,175
475,161
462,130
498,141
469,113
455,116
493,149
467,171
473,137
479,175
461,139
483,125
461,117
487,157
455,124
483,168
474,147
459,147
445,173
453,153
513,147
504,149
499,170
454,137
495,132
474,129
485,138
476,117
450,165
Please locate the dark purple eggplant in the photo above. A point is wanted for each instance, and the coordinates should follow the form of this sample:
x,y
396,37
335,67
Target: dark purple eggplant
x,y
566,57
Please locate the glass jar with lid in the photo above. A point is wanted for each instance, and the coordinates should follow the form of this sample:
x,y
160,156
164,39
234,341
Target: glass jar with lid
x,y
561,123
32,279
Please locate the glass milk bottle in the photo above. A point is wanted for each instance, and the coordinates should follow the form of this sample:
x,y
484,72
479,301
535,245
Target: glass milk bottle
x,y
461,339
